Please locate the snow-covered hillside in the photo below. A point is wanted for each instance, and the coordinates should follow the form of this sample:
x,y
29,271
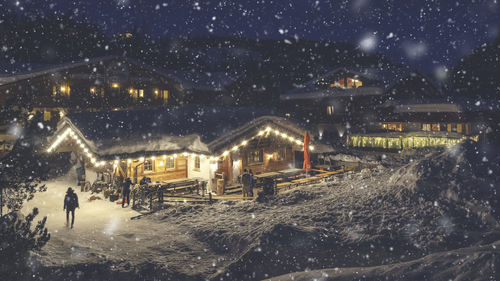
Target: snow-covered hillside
x,y
437,202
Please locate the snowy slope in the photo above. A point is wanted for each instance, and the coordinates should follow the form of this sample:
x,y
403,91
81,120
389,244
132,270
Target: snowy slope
x,y
436,202
473,263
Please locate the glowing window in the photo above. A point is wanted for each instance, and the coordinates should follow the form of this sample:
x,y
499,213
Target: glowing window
x,y
197,162
148,165
330,110
393,126
170,163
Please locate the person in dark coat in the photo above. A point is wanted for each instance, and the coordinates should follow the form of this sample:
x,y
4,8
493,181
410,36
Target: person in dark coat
x,y
126,192
252,182
70,204
245,180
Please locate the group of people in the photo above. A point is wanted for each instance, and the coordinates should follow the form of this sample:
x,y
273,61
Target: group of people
x,y
248,181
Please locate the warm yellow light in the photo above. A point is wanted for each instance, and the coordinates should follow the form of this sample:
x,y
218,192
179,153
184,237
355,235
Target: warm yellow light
x,y
276,132
92,160
175,155
311,147
164,156
102,163
153,158
92,90
141,159
261,133
202,156
116,162
291,138
160,164
63,89
298,142
86,150
115,85
268,129
269,156
225,153
284,135
235,148
244,142
185,154
129,161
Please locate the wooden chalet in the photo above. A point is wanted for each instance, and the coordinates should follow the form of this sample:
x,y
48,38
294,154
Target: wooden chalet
x,y
106,83
190,142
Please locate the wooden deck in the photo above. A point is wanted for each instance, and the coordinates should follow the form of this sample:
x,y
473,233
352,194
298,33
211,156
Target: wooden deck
x,y
186,191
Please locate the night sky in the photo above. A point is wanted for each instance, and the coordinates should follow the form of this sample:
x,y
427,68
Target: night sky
x,y
426,34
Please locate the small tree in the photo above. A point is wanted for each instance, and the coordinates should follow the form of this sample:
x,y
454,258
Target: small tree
x,y
17,239
20,173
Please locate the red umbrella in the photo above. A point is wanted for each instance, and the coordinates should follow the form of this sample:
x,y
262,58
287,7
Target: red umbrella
x,y
307,158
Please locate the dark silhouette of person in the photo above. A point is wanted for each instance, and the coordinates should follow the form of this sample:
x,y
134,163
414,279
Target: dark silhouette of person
x,y
252,182
246,180
126,192
70,204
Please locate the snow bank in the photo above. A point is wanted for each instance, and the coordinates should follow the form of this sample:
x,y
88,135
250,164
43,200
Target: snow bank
x,y
423,204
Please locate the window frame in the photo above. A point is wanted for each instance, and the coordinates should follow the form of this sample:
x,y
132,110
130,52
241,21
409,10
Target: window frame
x,y
148,165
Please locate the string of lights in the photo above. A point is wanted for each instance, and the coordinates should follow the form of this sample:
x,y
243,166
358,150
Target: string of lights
x,y
86,151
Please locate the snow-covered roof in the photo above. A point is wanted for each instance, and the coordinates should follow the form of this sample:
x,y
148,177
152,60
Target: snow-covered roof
x,y
170,130
7,79
335,93
382,79
428,107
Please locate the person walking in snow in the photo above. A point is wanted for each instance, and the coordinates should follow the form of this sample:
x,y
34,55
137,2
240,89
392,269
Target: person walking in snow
x,y
252,183
245,180
126,192
70,204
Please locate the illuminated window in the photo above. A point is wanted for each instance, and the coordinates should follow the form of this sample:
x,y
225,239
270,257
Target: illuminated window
x,y
197,162
133,93
436,127
255,156
459,128
393,126
346,83
93,90
46,116
170,163
141,93
62,90
164,95
330,110
426,127
115,85
148,165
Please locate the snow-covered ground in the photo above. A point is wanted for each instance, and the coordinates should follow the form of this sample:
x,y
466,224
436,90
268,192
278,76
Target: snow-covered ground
x,y
432,202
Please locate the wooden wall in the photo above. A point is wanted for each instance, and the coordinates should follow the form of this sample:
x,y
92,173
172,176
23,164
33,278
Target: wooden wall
x,y
277,154
159,172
